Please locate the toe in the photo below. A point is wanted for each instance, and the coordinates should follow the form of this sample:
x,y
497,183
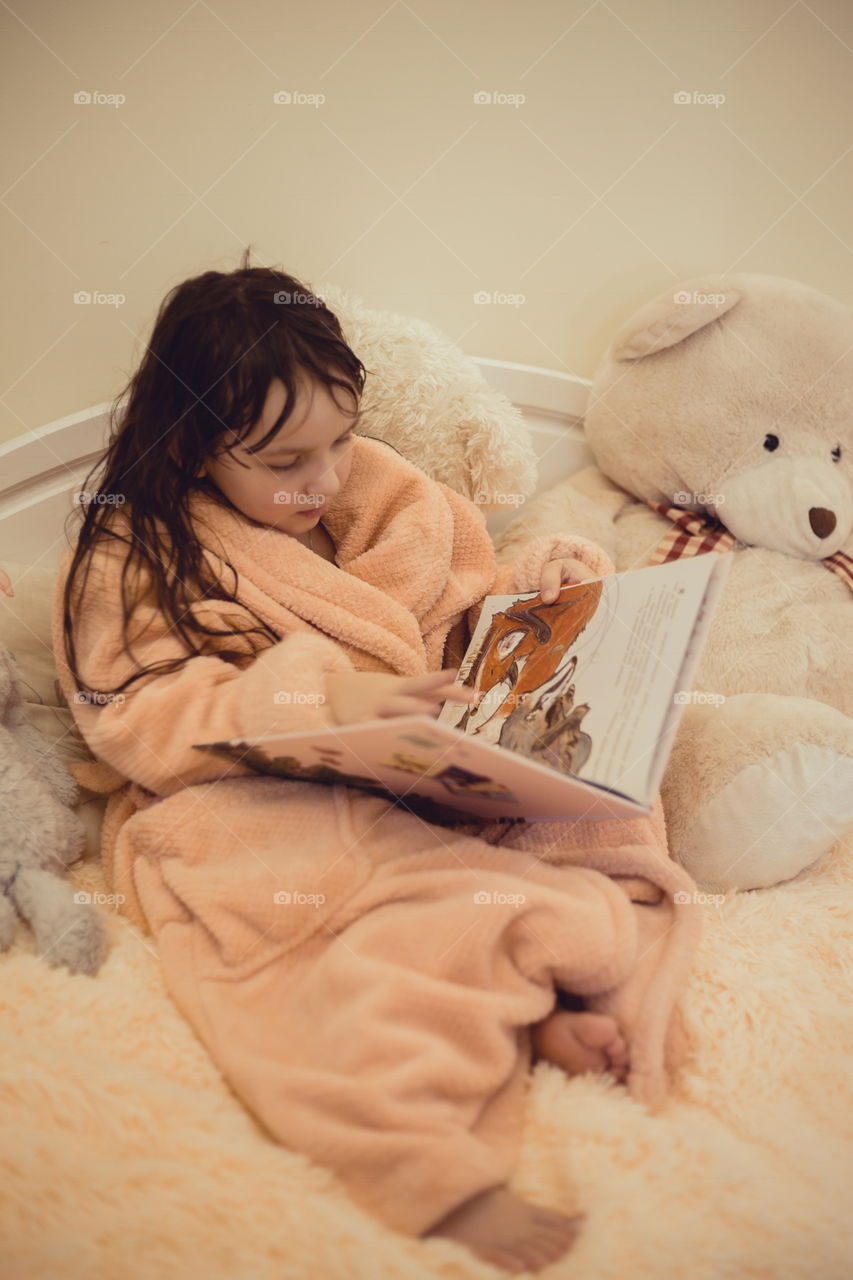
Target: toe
x,y
540,1254
507,1260
575,1041
595,1030
560,1231
618,1052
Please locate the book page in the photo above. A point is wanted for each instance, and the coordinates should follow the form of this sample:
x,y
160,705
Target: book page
x,y
586,684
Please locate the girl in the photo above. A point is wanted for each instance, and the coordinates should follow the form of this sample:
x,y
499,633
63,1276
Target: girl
x,y
372,985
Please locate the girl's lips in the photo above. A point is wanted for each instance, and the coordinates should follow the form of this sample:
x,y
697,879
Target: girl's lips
x,y
315,511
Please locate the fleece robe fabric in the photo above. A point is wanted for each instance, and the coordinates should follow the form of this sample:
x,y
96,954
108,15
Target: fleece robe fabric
x,y
365,980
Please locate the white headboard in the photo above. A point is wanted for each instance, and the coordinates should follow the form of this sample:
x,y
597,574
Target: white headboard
x,y
41,470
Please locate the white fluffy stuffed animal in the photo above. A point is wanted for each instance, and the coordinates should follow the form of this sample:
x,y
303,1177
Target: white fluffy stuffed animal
x,y
40,835
728,403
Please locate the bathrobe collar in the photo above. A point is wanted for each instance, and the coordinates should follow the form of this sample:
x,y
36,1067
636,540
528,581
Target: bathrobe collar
x,y
411,554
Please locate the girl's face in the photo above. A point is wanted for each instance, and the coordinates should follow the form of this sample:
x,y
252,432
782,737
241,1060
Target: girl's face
x,y
299,472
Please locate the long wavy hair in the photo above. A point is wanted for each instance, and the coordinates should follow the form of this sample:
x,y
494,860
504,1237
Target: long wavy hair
x,y
218,342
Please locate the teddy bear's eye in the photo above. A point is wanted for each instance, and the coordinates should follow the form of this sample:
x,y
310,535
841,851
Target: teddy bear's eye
x,y
771,442
836,453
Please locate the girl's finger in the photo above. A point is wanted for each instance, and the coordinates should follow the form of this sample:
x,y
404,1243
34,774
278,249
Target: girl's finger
x,y
404,705
431,678
460,693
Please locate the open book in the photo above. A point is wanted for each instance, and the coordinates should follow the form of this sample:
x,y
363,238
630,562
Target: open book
x,y
577,708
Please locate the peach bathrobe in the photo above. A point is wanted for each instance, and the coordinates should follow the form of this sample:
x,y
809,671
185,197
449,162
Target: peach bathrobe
x,y
365,980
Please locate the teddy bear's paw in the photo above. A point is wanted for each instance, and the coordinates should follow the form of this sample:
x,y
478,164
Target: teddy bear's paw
x,y
771,821
758,787
82,947
66,929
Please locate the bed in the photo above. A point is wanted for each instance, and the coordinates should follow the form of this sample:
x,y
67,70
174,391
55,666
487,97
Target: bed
x,y
125,1155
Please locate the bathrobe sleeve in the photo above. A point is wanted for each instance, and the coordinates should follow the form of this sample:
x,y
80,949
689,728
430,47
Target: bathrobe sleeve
x,y
147,734
524,574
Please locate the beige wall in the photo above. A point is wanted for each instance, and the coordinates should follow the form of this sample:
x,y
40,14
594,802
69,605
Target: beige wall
x,y
594,193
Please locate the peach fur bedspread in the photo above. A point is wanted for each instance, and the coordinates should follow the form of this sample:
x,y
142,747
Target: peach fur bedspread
x,y
193,845
126,1152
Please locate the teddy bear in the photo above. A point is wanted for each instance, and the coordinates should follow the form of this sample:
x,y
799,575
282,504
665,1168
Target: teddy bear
x,y
721,422
40,835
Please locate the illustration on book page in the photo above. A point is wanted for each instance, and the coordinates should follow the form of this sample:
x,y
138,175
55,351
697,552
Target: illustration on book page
x,y
523,675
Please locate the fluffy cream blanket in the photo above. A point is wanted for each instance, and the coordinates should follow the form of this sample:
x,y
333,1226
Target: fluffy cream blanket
x,y
126,1157
125,1153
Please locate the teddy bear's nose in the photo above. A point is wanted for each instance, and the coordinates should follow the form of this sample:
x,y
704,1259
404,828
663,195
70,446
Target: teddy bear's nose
x,y
822,521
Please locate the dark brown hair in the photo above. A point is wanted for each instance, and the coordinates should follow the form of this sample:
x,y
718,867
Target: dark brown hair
x,y
218,341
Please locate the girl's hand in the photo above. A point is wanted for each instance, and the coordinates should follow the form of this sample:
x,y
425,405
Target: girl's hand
x,y
556,573
368,695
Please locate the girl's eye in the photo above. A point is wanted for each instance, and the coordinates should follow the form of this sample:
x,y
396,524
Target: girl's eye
x,y
290,465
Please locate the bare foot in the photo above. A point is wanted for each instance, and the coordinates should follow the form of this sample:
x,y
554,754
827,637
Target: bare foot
x,y
582,1041
508,1232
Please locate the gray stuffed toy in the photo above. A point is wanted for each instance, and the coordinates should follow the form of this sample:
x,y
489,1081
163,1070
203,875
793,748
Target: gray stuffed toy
x,y
40,835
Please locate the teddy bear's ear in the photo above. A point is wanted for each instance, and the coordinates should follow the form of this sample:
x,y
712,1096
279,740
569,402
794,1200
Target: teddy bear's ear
x,y
673,316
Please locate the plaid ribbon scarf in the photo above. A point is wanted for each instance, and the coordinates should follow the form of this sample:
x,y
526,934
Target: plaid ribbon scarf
x,y
693,535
